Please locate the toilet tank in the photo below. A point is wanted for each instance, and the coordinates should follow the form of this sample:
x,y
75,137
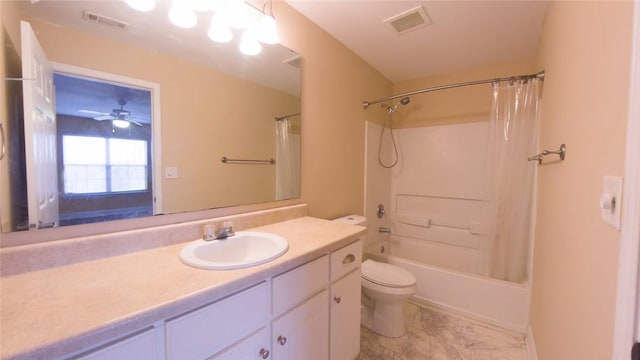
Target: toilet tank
x,y
353,220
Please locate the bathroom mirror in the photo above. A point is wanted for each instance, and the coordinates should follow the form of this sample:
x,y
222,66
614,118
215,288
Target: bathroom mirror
x,y
211,101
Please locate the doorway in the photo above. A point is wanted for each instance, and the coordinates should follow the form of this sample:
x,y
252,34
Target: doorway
x,y
104,152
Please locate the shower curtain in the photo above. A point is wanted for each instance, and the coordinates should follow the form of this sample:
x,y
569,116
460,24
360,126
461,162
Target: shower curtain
x,y
510,177
287,161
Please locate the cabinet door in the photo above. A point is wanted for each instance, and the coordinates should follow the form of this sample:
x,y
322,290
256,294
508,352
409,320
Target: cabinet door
x,y
255,347
345,317
303,333
204,332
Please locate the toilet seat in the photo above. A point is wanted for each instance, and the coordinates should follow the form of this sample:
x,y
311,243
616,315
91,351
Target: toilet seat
x,y
387,274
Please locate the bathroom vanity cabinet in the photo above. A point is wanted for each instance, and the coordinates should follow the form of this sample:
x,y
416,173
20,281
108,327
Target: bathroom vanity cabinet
x,y
311,312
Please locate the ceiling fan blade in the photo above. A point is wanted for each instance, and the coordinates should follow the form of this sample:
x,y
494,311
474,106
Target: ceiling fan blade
x,y
134,122
106,117
93,112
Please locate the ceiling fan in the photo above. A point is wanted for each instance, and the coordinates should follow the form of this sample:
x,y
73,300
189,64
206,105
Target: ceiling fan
x,y
120,117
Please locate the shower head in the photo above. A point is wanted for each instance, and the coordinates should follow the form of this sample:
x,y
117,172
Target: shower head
x,y
404,101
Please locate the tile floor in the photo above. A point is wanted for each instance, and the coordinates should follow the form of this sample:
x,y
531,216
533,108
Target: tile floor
x,y
432,335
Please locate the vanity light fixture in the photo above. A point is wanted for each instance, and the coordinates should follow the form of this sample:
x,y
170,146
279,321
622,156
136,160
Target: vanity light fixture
x,y
219,31
142,5
228,14
182,15
249,44
266,27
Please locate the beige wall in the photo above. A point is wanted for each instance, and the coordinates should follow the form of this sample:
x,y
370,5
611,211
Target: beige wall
x,y
457,105
585,51
335,82
10,92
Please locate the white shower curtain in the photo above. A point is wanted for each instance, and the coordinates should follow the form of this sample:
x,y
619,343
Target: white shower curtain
x,y
287,161
509,184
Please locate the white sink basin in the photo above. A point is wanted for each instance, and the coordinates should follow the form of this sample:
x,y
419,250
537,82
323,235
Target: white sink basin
x,y
244,249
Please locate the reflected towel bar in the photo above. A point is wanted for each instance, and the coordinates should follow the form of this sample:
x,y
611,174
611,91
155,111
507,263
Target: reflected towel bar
x,y
226,160
562,152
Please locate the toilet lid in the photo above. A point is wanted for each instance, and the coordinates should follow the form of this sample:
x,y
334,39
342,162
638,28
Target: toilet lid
x,y
387,274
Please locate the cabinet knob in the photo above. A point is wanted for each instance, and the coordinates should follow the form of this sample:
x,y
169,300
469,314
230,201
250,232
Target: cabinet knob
x,y
264,353
337,299
282,340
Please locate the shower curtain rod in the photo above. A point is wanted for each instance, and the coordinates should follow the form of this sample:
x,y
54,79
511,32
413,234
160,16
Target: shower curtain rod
x,y
538,75
279,118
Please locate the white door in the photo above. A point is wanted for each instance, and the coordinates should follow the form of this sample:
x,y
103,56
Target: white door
x,y
40,133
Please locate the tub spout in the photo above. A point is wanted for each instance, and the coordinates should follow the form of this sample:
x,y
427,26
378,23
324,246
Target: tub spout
x,y
383,229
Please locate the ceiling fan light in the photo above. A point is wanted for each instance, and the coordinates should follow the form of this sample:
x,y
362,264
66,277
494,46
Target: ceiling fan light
x,y
267,30
218,31
249,44
122,124
182,15
141,5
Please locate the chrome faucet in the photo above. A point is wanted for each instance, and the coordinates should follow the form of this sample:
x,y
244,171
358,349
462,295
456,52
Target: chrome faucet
x,y
225,231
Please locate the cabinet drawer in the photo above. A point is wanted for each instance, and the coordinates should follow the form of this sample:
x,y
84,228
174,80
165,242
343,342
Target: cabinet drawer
x,y
140,346
204,332
299,284
255,347
345,259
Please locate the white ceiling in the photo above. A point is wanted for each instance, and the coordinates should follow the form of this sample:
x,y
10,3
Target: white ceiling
x,y
463,34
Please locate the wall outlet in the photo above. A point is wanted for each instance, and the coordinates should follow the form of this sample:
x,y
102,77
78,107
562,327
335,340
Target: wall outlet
x,y
171,172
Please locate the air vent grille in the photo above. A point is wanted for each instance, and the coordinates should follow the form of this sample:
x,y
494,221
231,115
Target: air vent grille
x,y
294,61
409,20
104,20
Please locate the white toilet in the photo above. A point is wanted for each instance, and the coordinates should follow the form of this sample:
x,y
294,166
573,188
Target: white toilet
x,y
389,286
386,287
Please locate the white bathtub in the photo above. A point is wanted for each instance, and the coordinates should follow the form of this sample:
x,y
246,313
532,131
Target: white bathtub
x,y
496,302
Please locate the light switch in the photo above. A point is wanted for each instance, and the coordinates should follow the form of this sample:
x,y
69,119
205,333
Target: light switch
x,y
611,201
171,172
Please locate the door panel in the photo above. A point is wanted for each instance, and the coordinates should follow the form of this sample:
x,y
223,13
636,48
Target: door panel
x,y
40,132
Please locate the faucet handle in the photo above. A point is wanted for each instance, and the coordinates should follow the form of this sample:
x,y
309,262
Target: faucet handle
x,y
209,232
227,229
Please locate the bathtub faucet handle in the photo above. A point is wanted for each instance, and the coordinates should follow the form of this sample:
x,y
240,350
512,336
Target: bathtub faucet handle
x,y
384,229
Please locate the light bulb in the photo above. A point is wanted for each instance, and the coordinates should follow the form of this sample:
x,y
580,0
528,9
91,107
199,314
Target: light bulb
x,y
201,5
142,5
218,5
182,16
122,124
235,14
266,30
249,44
219,32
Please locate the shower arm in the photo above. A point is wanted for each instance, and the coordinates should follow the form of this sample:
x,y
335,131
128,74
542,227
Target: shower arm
x,y
538,75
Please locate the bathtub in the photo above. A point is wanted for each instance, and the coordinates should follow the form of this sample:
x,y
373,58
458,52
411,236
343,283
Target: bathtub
x,y
500,303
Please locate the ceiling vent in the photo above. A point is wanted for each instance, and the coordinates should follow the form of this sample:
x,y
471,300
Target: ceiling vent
x,y
409,20
294,61
104,20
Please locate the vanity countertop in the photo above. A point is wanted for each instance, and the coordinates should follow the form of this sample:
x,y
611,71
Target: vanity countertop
x,y
46,314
